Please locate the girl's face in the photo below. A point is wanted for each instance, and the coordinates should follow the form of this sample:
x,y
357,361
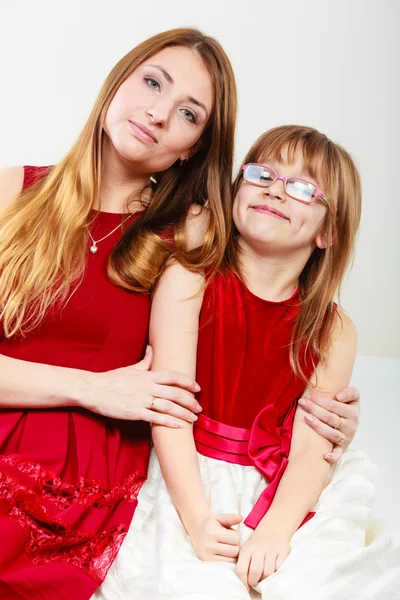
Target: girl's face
x,y
160,111
269,220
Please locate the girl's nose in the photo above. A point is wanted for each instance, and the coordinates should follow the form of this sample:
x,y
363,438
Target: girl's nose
x,y
276,190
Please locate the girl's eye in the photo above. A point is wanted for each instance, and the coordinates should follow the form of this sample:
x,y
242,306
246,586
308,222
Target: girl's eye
x,y
188,115
152,83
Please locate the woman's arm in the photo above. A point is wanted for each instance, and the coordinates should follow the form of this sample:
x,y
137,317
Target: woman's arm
x,y
174,327
307,471
124,393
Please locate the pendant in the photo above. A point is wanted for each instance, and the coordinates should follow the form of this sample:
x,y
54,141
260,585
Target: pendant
x,y
94,248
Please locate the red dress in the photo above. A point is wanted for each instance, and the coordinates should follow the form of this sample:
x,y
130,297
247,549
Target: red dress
x,y
248,389
69,478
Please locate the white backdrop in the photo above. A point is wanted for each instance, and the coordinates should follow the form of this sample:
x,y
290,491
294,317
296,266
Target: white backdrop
x,y
330,64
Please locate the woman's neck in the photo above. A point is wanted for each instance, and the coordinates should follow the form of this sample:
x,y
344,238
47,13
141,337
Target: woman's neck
x,y
271,277
119,182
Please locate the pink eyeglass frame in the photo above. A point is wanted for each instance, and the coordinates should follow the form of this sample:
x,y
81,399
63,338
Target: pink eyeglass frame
x,y
318,193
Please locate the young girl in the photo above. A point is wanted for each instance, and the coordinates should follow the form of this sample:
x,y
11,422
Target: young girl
x,y
264,328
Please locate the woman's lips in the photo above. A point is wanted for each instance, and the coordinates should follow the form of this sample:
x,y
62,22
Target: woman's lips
x,y
271,212
142,133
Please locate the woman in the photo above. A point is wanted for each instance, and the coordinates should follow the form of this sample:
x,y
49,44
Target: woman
x,y
81,247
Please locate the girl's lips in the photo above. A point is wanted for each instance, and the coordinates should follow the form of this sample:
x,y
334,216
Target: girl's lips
x,y
272,212
142,133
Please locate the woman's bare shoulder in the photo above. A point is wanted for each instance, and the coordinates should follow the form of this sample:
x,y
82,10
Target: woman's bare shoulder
x,y
11,182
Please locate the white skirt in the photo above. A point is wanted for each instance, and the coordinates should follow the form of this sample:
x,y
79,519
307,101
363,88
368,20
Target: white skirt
x,y
331,556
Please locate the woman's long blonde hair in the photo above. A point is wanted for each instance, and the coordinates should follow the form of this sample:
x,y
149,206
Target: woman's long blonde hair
x,y
43,239
321,278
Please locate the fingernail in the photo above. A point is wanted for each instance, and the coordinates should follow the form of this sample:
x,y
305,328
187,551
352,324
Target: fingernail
x,y
302,401
147,350
341,396
307,396
309,418
327,456
177,425
199,408
193,418
197,388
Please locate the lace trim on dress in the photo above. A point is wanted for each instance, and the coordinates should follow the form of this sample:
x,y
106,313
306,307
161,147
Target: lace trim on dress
x,y
48,537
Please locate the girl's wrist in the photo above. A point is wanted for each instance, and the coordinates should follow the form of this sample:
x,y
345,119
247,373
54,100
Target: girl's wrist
x,y
277,524
192,521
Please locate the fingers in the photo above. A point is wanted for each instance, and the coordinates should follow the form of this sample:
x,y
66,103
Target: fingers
x,y
229,519
145,363
218,558
242,568
270,566
227,550
280,558
177,395
334,455
333,435
256,569
321,405
349,394
155,418
174,410
228,536
329,412
174,378
320,413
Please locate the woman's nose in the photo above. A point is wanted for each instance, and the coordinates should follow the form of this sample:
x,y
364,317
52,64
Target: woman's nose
x,y
159,113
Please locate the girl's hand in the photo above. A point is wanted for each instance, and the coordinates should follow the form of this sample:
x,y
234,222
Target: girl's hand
x,y
326,413
138,394
214,539
261,555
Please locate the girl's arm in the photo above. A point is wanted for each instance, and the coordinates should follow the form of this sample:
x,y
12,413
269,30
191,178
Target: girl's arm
x,y
307,471
174,327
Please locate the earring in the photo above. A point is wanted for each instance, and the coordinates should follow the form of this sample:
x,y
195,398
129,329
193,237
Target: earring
x,y
182,162
153,180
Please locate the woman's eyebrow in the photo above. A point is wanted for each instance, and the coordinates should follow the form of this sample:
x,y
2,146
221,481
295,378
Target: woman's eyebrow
x,y
164,72
197,103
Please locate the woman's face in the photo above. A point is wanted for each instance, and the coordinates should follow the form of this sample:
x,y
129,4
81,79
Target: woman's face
x,y
160,111
269,219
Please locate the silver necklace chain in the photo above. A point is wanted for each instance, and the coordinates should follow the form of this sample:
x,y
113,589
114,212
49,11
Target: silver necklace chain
x,y
94,248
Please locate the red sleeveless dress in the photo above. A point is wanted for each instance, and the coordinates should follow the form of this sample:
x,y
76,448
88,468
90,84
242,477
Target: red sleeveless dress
x,y
69,478
248,389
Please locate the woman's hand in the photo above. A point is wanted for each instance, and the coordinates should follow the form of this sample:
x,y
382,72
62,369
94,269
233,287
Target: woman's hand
x,y
262,554
334,419
214,539
138,394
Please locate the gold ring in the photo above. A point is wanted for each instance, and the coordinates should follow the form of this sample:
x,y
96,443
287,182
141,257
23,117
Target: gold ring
x,y
338,424
341,439
153,399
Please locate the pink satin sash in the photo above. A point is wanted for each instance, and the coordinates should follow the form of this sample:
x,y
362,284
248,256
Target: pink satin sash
x,y
266,446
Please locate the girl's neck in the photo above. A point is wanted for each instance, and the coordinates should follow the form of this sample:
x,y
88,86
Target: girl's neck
x,y
120,184
271,277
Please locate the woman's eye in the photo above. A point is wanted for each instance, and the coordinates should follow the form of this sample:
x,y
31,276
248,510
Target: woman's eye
x,y
152,83
188,115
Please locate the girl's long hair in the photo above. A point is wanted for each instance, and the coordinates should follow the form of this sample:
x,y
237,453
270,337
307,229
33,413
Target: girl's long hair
x,y
43,234
321,278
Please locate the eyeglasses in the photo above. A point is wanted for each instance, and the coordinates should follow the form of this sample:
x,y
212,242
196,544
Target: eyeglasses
x,y
264,176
